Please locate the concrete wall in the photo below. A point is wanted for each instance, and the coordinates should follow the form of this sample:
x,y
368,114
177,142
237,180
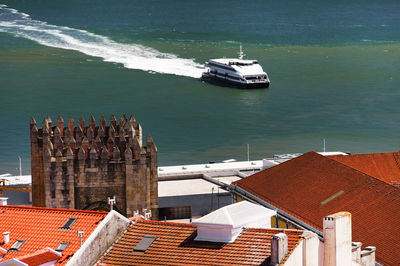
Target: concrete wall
x,y
17,198
201,203
100,240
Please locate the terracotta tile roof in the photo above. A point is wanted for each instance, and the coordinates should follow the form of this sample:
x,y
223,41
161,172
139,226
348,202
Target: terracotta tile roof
x,y
175,245
39,257
40,228
312,186
384,166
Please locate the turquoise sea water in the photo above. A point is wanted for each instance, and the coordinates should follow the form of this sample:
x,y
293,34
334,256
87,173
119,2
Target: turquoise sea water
x,y
334,70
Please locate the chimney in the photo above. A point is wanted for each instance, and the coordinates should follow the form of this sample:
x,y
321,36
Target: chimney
x,y
6,237
356,251
368,256
337,239
311,246
279,248
3,201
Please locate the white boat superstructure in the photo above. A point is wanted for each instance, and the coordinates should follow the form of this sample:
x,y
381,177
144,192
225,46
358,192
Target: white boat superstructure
x,y
236,71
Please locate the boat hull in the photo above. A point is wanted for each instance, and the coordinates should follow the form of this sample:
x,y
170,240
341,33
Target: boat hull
x,y
229,83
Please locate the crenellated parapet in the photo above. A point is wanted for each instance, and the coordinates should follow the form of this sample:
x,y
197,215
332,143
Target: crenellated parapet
x,y
80,164
85,137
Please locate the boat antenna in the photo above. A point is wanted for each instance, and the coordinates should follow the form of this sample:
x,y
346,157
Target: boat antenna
x,y
241,54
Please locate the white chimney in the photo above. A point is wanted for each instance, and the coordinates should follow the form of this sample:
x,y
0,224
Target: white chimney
x,y
337,239
311,246
356,251
279,248
226,224
6,237
368,256
3,201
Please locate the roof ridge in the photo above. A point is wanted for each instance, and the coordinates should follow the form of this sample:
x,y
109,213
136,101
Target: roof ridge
x,y
396,160
372,153
273,229
22,207
165,222
39,252
367,175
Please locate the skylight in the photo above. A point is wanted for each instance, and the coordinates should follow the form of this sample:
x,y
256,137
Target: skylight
x,y
17,245
68,224
144,244
62,246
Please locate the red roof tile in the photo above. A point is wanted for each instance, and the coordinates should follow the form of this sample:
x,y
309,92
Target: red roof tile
x,y
312,186
40,228
175,245
384,166
39,257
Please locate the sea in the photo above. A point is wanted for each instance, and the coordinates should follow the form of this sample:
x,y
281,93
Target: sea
x,y
334,68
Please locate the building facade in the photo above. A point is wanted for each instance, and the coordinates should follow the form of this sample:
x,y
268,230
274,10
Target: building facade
x,y
81,166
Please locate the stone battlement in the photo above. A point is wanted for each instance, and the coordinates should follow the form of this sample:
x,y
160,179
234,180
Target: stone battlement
x,y
80,166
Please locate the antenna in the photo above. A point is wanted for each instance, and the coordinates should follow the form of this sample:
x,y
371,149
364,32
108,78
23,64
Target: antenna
x,y
212,200
248,152
241,54
20,166
136,215
111,201
324,144
147,215
80,234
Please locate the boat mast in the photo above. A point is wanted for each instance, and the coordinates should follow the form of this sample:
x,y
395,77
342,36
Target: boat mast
x,y
241,54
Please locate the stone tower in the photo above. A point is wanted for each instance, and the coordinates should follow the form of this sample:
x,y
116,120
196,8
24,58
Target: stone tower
x,y
80,166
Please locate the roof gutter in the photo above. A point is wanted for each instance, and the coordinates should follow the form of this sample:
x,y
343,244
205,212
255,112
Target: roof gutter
x,y
297,222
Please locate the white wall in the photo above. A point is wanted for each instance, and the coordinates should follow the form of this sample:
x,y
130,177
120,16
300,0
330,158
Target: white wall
x,y
296,257
100,240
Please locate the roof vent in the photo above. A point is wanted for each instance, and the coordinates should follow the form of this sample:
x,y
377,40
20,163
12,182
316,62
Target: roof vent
x,y
144,244
226,224
6,237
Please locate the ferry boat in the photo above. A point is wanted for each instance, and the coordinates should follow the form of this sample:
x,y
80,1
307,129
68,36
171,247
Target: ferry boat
x,y
236,72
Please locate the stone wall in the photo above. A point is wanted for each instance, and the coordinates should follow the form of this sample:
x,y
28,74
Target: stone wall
x,y
80,166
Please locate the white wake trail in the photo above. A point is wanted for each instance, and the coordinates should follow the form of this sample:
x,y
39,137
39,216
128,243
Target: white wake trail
x,y
131,56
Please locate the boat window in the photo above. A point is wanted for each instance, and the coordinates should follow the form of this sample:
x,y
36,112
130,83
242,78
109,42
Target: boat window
x,y
223,67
